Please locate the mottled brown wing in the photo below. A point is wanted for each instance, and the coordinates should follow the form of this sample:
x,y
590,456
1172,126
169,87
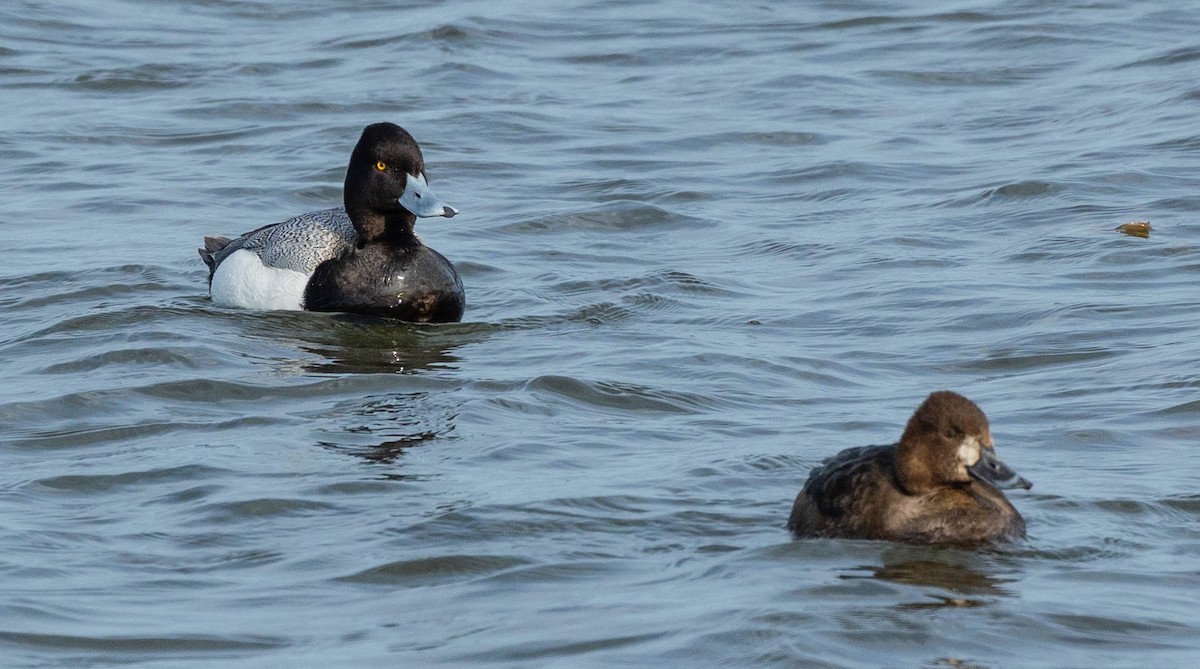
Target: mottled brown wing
x,y
841,481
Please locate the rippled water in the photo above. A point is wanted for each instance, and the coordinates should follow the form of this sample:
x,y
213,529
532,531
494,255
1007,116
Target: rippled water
x,y
704,244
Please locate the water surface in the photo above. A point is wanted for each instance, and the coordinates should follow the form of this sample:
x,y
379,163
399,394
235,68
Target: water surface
x,y
704,245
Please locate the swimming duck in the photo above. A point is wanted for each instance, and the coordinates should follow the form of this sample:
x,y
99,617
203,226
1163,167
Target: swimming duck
x,y
940,483
362,258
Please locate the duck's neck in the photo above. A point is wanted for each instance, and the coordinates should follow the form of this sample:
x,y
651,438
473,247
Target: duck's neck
x,y
912,469
391,229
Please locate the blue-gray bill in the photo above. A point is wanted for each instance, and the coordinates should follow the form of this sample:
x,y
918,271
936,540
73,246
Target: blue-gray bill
x,y
420,200
992,469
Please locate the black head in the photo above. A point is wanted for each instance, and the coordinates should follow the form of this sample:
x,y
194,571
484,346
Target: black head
x,y
386,185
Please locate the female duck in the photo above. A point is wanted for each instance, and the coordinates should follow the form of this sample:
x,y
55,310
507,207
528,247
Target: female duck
x,y
362,259
939,484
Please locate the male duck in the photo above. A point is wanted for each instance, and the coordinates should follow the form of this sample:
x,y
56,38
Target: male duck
x,y
362,259
939,484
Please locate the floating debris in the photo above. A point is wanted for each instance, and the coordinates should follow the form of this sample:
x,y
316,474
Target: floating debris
x,y
1135,229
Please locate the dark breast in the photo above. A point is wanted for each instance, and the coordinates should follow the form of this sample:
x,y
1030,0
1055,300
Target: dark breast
x,y
417,285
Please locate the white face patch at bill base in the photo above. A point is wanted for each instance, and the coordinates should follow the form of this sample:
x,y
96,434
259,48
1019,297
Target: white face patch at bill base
x,y
968,451
420,200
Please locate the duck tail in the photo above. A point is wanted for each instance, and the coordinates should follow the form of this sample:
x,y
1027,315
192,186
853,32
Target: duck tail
x,y
212,246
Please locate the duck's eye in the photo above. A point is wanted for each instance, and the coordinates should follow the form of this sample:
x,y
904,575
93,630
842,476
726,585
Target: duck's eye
x,y
951,433
381,166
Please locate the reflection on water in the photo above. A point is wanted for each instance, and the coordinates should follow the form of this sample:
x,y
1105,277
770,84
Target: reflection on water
x,y
958,578
382,428
955,580
372,347
406,406
347,343
955,663
387,452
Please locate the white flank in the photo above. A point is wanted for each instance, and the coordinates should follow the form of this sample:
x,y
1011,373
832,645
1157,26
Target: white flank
x,y
242,280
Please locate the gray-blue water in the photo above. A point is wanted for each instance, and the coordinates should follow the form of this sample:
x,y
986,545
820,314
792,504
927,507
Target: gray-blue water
x,y
705,245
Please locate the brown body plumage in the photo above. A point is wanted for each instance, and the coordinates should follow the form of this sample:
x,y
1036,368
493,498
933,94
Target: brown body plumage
x,y
940,483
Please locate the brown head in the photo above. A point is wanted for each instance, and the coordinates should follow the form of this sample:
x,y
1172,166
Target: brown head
x,y
948,442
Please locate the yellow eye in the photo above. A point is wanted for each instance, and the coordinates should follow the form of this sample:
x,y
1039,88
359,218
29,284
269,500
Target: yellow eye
x,y
381,166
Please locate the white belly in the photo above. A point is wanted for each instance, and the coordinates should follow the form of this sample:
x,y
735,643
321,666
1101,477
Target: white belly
x,y
242,280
